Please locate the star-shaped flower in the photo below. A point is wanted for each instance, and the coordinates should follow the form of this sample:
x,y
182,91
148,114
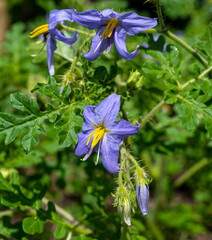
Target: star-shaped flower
x,y
103,134
112,27
50,33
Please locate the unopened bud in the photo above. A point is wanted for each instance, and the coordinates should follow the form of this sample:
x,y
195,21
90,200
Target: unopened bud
x,y
135,80
142,189
123,203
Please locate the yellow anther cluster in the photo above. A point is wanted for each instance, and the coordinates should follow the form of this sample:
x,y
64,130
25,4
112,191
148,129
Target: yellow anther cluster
x,y
112,24
43,29
98,133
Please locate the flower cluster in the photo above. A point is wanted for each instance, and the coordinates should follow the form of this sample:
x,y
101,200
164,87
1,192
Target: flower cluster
x,y
111,26
101,131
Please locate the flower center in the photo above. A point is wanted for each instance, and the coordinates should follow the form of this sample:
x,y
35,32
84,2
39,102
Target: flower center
x,y
112,24
98,133
43,29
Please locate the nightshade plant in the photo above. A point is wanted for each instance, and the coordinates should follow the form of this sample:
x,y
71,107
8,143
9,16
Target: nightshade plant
x,y
149,120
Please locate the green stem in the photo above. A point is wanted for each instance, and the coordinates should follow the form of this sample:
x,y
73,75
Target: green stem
x,y
122,170
181,43
133,160
65,57
161,103
151,113
125,232
190,172
187,47
69,73
160,16
199,77
74,30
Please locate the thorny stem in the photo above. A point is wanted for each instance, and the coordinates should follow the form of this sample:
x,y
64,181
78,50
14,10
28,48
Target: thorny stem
x,y
181,43
151,113
132,159
122,170
199,77
160,16
187,47
126,167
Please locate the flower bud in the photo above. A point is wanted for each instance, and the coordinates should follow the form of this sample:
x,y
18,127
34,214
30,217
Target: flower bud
x,y
142,189
143,197
123,204
135,80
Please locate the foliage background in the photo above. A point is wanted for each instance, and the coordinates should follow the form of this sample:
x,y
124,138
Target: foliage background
x,y
178,160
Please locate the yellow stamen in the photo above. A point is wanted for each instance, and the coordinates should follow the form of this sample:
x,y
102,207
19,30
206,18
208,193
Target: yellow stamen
x,y
43,29
112,24
98,133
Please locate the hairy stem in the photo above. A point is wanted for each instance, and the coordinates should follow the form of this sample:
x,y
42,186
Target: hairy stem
x,y
151,113
160,16
208,70
132,159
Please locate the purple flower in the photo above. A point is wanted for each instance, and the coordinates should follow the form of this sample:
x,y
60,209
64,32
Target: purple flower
x,y
112,27
103,134
50,33
142,191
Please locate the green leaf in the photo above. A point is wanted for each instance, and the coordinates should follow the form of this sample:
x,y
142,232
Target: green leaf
x,y
32,225
188,116
31,139
205,42
190,109
11,201
67,124
170,97
171,83
5,185
14,178
51,90
10,230
61,231
21,102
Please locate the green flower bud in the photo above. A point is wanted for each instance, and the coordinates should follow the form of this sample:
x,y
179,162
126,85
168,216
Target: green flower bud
x,y
135,80
123,203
